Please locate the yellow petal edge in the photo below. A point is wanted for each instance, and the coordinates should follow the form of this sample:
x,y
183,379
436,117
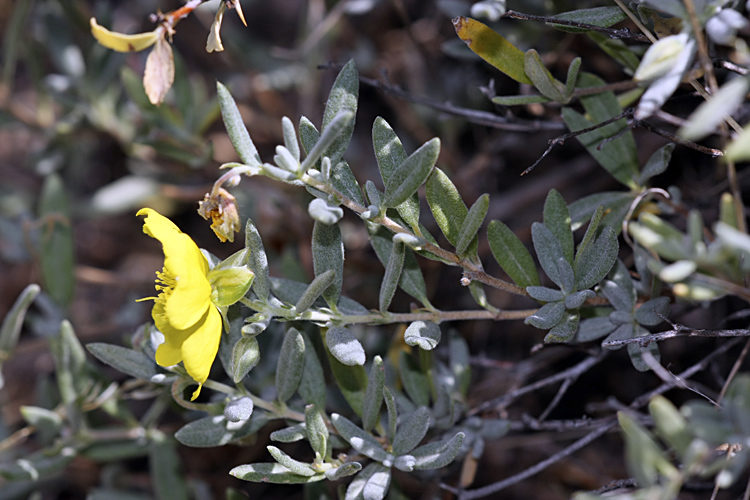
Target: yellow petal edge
x,y
121,42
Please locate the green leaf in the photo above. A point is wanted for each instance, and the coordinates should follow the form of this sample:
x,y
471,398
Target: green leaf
x,y
370,484
343,179
472,223
317,432
492,47
351,380
519,100
164,465
328,254
329,139
557,220
446,204
657,162
342,471
411,431
290,365
236,129
424,334
213,431
710,114
572,78
542,78
616,206
56,241
359,439
312,387
13,321
392,275
438,454
38,465
408,176
290,434
390,404
416,382
70,367
134,363
548,250
308,134
343,98
290,137
590,235
547,316
390,153
239,409
297,467
512,255
645,460
460,363
544,294
257,261
617,50
344,346
618,156
596,261
670,424
271,473
564,331
374,395
314,291
739,148
604,17
245,356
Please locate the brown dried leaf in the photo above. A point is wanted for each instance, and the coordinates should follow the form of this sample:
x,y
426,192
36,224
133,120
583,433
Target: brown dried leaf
x,y
159,74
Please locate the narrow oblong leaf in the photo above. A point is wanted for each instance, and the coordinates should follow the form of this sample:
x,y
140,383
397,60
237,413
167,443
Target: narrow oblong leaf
x,y
356,489
331,135
390,404
56,253
344,346
564,331
544,294
519,100
351,381
438,454
257,261
570,82
541,77
589,237
424,334
446,205
293,465
216,430
374,395
547,316
343,98
342,471
308,134
317,432
604,17
312,387
512,255
245,356
343,179
472,223
236,129
360,440
416,382
596,261
316,288
134,363
548,250
328,254
290,434
290,137
392,275
290,365
492,47
271,473
13,321
657,162
557,219
411,431
411,174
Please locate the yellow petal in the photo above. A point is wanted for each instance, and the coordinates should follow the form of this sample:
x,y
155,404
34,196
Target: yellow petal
x,y
200,348
170,352
184,261
121,42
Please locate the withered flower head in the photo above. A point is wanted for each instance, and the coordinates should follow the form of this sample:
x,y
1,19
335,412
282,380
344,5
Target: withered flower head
x,y
221,207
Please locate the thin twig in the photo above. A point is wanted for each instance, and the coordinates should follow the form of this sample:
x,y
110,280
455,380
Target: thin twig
x,y
679,140
679,331
728,65
610,32
667,376
735,369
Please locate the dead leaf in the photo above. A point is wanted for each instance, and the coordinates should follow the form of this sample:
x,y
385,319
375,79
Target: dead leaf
x,y
159,74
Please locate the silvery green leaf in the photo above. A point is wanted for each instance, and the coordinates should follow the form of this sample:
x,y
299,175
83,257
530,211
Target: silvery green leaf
x,y
290,138
328,254
374,394
342,471
308,134
271,473
411,431
570,82
411,174
618,50
38,465
662,89
616,205
596,261
405,463
590,236
446,205
635,351
671,425
317,432
472,223
677,271
312,387
567,277
390,153
293,465
390,404
392,275
314,291
512,255
424,334
657,162
255,325
547,316
360,487
351,381
460,363
373,195
245,356
236,129
257,260
416,383
663,238
47,423
620,299
134,363
216,430
661,57
621,317
653,312
594,328
164,467
519,100
345,347
360,440
290,434
438,454
577,299
544,294
548,250
710,114
329,139
342,99
56,246
541,77
622,332
285,159
322,211
343,179
13,321
290,365
644,457
70,368
598,16
564,331
239,410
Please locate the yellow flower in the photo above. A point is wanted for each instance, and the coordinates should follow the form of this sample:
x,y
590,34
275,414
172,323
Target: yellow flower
x,y
121,42
183,311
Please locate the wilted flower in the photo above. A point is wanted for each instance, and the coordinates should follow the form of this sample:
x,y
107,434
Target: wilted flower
x,y
187,308
221,207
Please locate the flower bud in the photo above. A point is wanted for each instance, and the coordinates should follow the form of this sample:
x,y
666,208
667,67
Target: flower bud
x,y
321,211
661,57
722,28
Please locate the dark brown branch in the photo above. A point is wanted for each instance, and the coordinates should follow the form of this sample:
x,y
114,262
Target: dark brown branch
x,y
610,32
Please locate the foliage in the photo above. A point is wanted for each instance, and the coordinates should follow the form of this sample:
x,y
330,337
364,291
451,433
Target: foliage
x,y
297,355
